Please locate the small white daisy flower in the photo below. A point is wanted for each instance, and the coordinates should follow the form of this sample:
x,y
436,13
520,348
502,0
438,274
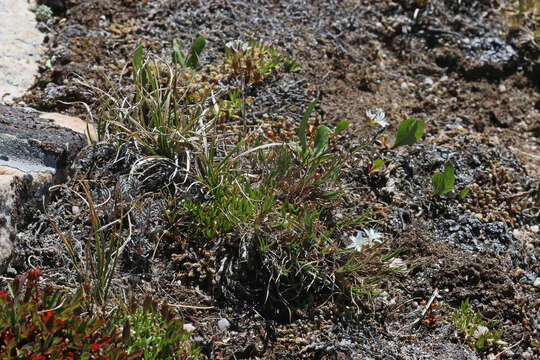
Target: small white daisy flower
x,y
377,117
358,241
238,45
373,235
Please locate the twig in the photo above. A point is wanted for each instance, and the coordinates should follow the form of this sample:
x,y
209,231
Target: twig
x,y
508,348
428,305
192,306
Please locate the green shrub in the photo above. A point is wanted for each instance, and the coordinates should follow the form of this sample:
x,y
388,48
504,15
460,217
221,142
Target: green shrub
x,y
47,324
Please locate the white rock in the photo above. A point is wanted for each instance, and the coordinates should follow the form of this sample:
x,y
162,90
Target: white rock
x,y
20,41
502,88
537,282
223,324
189,327
535,228
404,86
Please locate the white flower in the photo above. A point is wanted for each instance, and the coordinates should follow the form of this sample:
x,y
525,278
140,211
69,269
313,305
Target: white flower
x,y
377,117
373,236
238,45
358,241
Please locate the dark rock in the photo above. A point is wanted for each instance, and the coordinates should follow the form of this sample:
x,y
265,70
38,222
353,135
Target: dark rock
x,y
499,118
61,55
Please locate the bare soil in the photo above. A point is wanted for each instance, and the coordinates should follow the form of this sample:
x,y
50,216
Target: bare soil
x,y
454,64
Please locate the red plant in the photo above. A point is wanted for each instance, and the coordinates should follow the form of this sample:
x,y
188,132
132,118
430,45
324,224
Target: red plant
x,y
43,325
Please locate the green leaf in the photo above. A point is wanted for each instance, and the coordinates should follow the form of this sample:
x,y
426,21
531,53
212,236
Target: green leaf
x,y
303,126
444,182
463,193
341,126
409,132
377,165
321,140
196,50
178,56
139,74
138,57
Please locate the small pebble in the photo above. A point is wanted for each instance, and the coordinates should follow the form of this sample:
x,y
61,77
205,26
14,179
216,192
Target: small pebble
x,y
428,81
527,355
404,86
189,327
535,228
223,324
502,88
537,282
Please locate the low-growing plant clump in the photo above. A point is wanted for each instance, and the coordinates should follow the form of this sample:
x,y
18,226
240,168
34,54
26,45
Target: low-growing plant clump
x,y
479,333
243,202
50,324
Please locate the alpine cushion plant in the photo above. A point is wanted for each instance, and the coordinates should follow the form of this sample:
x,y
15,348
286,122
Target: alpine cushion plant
x,y
254,61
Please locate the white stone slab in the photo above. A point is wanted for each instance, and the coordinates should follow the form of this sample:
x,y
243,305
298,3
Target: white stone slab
x,y
20,48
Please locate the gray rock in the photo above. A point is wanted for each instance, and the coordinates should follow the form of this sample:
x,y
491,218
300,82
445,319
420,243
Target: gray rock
x,y
34,153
